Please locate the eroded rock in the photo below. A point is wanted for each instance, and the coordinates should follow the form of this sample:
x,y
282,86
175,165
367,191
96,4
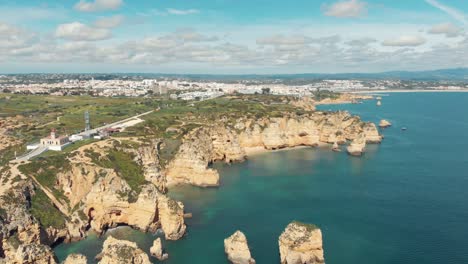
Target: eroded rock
x,y
157,250
116,251
76,259
301,244
237,249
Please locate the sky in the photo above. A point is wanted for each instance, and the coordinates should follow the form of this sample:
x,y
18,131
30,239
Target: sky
x,y
232,36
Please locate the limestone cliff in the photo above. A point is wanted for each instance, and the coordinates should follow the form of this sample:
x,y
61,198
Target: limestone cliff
x,y
116,251
221,142
237,249
20,233
108,204
107,200
171,216
301,244
157,250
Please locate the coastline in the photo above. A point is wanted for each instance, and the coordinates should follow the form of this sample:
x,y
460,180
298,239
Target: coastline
x,y
253,151
409,91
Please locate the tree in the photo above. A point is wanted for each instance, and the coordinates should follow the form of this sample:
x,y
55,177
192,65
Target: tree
x,y
266,90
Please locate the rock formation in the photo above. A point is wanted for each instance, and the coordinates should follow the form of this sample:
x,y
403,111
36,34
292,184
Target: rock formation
x,y
357,146
75,259
237,249
116,251
20,233
171,217
34,253
157,250
147,157
226,142
301,244
384,123
371,133
107,200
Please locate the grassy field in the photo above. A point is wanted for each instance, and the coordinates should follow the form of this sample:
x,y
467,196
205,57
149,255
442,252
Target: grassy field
x,y
66,113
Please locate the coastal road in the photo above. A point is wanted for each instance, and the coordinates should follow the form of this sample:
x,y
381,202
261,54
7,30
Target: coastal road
x,y
40,149
96,130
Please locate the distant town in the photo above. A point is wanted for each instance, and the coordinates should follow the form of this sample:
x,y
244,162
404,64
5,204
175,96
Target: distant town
x,y
190,89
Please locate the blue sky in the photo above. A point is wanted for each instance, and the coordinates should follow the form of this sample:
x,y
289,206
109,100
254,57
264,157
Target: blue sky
x,y
232,36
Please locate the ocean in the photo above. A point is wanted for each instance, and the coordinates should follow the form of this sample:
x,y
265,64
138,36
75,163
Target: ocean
x,y
404,201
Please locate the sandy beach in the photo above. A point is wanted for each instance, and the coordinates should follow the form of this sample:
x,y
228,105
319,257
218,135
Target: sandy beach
x,y
251,151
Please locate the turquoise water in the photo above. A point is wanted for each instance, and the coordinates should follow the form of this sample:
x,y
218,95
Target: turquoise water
x,y
405,201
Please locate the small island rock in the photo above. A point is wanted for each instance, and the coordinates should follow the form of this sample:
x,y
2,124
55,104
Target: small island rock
x,y
75,259
237,249
384,123
116,251
157,251
301,244
371,133
357,146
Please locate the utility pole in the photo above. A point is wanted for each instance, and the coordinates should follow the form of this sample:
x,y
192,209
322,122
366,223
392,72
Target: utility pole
x,y
87,122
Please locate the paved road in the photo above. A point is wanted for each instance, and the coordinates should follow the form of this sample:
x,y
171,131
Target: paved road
x,y
40,149
95,130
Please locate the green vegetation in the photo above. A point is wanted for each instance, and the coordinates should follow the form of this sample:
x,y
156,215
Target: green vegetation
x,y
309,227
169,148
45,170
44,211
124,165
324,94
182,117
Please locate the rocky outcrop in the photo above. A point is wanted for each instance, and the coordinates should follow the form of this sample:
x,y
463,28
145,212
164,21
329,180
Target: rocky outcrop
x,y
384,123
157,250
237,249
357,146
171,217
147,157
76,259
306,103
116,251
221,142
110,203
371,133
191,161
34,253
301,244
21,234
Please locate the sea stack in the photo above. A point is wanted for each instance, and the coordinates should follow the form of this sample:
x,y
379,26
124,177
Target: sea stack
x,y
384,123
237,249
122,251
301,243
157,250
76,259
357,147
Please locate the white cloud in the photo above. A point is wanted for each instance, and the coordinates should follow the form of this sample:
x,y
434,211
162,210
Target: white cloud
x,y
456,14
347,9
98,5
80,32
405,41
14,37
174,11
448,29
109,22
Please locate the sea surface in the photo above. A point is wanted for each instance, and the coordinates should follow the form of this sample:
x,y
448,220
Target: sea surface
x,y
404,201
